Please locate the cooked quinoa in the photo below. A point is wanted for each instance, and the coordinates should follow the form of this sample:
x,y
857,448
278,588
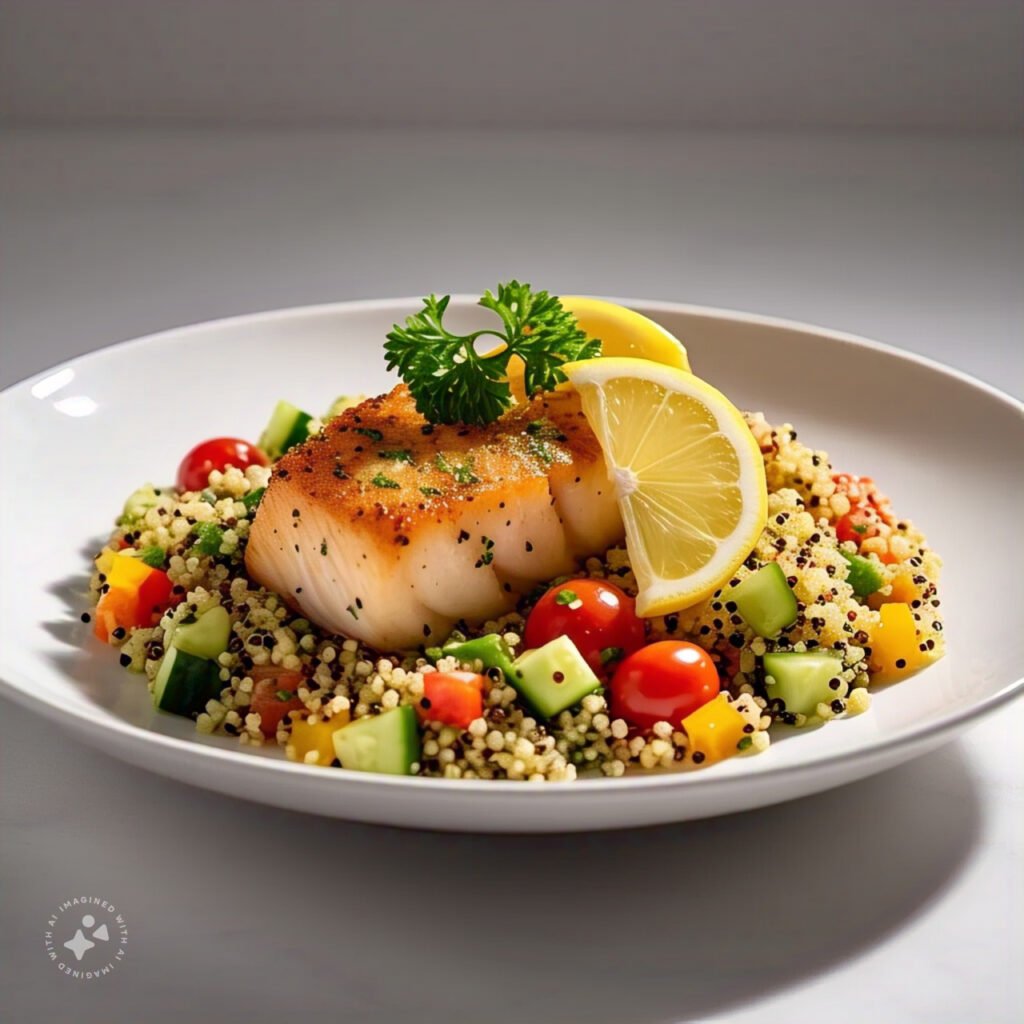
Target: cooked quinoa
x,y
806,500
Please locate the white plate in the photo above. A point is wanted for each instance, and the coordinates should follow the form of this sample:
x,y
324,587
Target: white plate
x,y
78,439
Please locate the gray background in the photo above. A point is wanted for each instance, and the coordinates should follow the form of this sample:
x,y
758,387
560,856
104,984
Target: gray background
x,y
853,164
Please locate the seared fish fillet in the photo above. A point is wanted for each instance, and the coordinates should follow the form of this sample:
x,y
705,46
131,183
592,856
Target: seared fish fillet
x,y
389,530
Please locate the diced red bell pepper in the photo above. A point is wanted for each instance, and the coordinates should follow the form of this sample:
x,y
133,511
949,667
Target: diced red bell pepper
x,y
137,596
454,698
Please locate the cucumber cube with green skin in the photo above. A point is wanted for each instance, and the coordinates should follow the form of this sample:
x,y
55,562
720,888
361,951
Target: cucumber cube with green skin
x,y
343,402
138,503
288,427
184,683
801,679
388,743
490,649
864,575
553,677
765,600
207,637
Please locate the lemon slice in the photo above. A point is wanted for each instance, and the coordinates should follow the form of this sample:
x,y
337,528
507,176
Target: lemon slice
x,y
687,473
623,332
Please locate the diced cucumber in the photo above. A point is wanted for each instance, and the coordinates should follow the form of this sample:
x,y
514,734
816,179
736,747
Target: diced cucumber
x,y
490,649
138,503
387,743
553,677
288,426
801,679
207,637
765,600
343,402
184,683
864,575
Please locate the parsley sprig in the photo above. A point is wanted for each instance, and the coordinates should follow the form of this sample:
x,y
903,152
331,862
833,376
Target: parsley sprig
x,y
453,383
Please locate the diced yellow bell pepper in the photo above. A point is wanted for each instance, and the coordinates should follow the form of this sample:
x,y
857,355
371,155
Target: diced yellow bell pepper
x,y
714,729
127,572
316,737
895,646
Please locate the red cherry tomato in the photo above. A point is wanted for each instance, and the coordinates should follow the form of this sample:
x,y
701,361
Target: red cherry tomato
x,y
274,695
455,698
217,453
663,682
598,617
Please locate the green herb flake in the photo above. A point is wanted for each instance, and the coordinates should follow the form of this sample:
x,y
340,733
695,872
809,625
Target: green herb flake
x,y
610,654
339,472
744,743
431,492
351,609
461,474
153,556
373,435
252,499
566,597
283,695
860,528
539,449
323,547
380,480
209,538
208,496
399,455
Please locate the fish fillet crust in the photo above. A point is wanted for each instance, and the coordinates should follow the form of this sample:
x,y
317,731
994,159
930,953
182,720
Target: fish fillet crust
x,y
389,530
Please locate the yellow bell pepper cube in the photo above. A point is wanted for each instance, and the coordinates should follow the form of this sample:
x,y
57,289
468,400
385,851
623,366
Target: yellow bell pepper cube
x,y
895,647
317,737
714,730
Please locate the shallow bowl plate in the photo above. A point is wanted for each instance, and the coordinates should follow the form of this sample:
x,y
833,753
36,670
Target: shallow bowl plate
x,y
79,438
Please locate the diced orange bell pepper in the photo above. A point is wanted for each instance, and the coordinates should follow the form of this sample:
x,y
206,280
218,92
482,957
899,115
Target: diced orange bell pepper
x,y
714,730
895,646
903,592
137,596
316,737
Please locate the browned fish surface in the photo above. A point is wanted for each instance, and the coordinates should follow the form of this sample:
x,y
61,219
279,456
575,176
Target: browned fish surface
x,y
390,530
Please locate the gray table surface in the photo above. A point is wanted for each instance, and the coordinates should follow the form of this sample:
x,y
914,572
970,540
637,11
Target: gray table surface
x,y
905,902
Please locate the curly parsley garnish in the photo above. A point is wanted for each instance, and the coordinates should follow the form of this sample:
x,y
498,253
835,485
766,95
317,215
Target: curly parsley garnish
x,y
452,382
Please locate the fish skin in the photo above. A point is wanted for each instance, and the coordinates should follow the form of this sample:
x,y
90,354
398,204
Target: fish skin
x,y
352,534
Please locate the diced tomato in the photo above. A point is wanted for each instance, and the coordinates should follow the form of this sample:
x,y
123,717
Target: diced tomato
x,y
274,696
856,526
154,596
455,698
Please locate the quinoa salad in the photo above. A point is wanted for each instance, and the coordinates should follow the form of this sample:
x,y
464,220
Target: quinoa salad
x,y
234,622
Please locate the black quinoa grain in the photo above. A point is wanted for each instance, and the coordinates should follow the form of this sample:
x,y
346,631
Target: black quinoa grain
x,y
86,617
837,706
698,757
126,660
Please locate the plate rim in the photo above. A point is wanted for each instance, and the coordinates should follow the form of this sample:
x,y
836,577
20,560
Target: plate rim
x,y
17,686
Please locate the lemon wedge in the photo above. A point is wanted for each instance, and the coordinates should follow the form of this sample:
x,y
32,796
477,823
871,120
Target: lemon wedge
x,y
687,473
623,332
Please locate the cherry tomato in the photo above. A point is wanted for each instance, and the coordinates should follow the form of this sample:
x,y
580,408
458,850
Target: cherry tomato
x,y
455,698
217,453
663,682
598,617
274,695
